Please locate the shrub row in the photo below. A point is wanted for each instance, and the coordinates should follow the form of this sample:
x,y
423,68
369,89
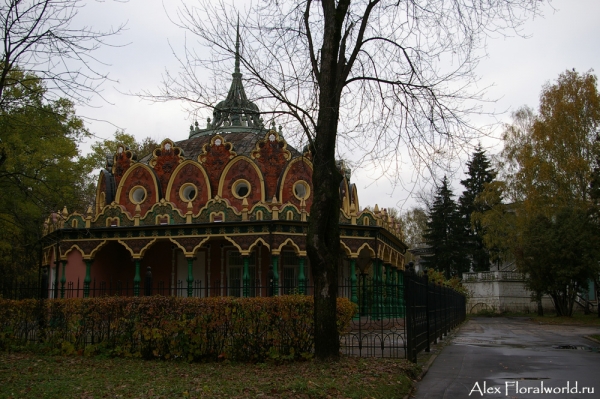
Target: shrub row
x,y
193,329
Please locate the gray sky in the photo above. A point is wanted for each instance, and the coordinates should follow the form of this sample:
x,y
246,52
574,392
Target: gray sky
x,y
515,69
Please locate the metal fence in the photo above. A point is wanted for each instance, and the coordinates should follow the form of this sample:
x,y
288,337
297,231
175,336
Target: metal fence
x,y
397,316
432,310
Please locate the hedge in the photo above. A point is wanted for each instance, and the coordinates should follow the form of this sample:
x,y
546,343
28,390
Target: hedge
x,y
192,329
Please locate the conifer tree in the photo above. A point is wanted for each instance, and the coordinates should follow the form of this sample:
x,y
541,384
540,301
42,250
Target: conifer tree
x,y
479,174
444,235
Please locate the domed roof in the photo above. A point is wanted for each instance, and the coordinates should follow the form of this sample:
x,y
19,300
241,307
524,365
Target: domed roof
x,y
236,113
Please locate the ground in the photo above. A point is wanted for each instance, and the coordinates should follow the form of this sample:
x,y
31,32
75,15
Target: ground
x,y
28,375
501,352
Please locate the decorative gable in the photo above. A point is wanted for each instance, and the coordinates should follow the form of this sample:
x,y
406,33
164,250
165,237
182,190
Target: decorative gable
x,y
165,160
215,156
272,155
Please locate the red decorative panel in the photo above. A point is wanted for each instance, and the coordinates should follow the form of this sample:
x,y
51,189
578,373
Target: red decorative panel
x,y
165,161
217,154
138,177
190,173
242,169
298,171
122,162
272,156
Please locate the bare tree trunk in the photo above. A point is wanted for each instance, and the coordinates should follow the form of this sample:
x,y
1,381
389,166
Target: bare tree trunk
x,y
323,240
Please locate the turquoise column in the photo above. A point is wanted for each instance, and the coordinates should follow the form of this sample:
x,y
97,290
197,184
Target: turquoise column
x,y
275,259
301,276
389,304
353,281
137,279
246,278
88,278
63,279
190,277
353,296
376,290
400,279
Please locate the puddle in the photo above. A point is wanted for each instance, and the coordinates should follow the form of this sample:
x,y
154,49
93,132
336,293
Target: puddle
x,y
577,347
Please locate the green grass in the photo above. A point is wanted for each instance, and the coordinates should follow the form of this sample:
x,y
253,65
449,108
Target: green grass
x,y
596,337
26,375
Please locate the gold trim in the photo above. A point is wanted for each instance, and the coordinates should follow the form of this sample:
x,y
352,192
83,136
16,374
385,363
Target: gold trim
x,y
306,188
182,189
126,176
230,165
176,172
235,185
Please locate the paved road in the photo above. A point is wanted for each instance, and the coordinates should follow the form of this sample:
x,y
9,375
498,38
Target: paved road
x,y
514,358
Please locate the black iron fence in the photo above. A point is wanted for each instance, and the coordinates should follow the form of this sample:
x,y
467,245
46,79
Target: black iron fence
x,y
432,310
396,317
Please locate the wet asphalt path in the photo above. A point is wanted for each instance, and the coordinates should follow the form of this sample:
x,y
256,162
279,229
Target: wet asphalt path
x,y
514,358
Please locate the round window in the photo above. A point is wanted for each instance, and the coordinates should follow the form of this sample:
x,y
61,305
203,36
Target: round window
x,y
301,189
188,192
241,188
137,195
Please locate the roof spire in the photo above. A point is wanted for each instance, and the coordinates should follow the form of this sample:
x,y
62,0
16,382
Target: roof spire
x,y
237,47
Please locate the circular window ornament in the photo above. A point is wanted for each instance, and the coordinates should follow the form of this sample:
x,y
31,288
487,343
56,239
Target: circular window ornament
x,y
301,190
137,194
271,137
218,142
188,192
241,188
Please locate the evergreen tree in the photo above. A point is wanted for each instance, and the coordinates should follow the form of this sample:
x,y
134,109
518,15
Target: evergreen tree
x,y
479,174
444,235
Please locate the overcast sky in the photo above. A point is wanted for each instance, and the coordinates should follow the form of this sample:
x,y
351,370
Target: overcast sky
x,y
566,37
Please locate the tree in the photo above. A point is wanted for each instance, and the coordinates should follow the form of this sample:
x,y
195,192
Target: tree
x,y
413,224
42,172
445,236
549,187
374,74
100,150
479,174
40,38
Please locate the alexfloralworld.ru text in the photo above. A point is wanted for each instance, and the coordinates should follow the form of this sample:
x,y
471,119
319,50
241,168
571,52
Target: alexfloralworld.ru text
x,y
513,388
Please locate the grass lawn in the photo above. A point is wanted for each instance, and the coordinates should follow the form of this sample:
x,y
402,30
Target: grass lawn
x,y
26,375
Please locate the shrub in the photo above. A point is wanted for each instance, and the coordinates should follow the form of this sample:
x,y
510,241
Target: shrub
x,y
193,329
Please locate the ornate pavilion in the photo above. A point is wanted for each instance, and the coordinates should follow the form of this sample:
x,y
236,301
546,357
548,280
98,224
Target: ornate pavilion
x,y
223,212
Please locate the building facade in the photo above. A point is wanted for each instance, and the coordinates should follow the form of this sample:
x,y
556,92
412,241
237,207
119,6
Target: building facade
x,y
223,212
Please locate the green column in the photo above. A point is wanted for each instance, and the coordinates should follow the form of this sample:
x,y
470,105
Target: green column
x,y
378,289
88,278
301,276
63,279
275,259
389,302
400,284
137,278
190,277
353,296
246,278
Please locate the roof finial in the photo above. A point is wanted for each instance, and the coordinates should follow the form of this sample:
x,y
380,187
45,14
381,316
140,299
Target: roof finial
x,y
237,47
